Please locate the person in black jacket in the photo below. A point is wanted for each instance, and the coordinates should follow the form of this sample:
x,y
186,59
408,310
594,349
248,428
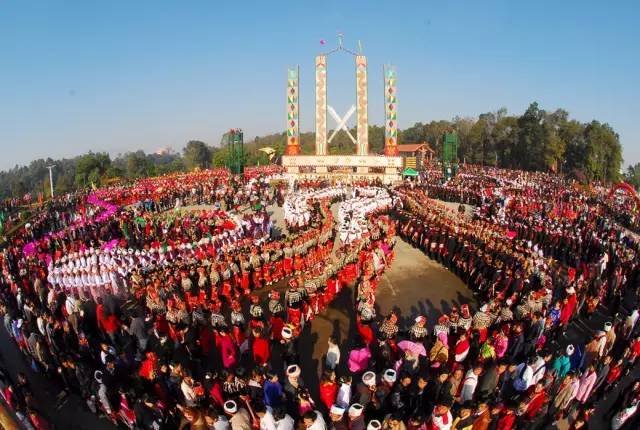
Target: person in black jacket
x,y
400,397
148,416
434,392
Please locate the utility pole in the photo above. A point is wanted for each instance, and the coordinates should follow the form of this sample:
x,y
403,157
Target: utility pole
x,y
51,178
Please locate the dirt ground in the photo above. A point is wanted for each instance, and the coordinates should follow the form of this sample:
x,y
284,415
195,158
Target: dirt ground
x,y
413,285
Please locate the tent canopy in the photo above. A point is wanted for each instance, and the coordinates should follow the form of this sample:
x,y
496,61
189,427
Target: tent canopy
x,y
409,172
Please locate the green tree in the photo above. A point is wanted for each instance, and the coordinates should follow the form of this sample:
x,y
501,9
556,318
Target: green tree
x,y
137,165
603,152
376,139
506,139
573,136
90,168
413,134
220,156
528,153
197,154
632,175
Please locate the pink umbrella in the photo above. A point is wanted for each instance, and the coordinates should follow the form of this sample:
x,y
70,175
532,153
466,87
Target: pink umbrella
x,y
413,347
359,359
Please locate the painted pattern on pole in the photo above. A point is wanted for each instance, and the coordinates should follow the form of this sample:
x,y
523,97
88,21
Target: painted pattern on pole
x,y
362,120
321,105
293,114
390,112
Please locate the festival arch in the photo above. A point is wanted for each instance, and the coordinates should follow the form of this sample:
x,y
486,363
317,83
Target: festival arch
x,y
628,189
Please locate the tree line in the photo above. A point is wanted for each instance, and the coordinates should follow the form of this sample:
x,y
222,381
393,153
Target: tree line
x,y
537,140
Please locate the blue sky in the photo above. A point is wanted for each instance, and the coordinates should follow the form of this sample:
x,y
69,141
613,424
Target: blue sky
x,y
125,75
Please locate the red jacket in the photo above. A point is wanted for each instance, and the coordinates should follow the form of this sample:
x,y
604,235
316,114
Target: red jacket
x,y
110,324
567,309
277,324
366,332
535,404
506,422
328,393
99,315
261,351
614,374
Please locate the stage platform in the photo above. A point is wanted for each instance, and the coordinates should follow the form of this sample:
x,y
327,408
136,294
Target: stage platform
x,y
346,168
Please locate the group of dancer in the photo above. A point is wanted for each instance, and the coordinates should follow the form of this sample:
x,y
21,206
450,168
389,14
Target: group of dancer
x,y
182,308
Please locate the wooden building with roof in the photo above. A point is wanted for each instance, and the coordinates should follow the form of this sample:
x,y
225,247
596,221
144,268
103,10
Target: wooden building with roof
x,y
416,155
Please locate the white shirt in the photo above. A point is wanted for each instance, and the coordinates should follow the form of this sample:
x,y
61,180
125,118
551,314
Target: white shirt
x,y
267,422
469,385
344,396
286,423
527,376
319,423
189,395
538,370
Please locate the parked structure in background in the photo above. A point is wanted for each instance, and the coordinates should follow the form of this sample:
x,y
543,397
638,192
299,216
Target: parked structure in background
x,y
449,155
416,155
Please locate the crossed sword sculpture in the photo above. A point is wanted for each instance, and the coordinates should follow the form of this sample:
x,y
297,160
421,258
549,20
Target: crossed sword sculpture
x,y
342,123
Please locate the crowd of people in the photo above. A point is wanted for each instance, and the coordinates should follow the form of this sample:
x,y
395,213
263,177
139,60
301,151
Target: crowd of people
x,y
176,306
352,213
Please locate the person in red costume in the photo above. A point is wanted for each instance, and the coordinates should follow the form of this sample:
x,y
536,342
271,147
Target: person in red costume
x,y
328,389
261,349
365,331
508,419
149,366
568,307
536,399
227,349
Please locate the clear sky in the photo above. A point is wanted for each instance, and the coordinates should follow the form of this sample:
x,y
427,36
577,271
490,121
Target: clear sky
x,y
126,75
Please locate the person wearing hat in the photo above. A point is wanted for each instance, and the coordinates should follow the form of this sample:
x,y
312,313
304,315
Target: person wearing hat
x,y
374,425
336,415
356,417
238,417
293,383
610,337
274,305
418,331
366,389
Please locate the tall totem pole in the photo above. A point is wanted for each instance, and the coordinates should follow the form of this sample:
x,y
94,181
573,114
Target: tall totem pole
x,y
361,107
362,104
321,105
293,112
390,112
